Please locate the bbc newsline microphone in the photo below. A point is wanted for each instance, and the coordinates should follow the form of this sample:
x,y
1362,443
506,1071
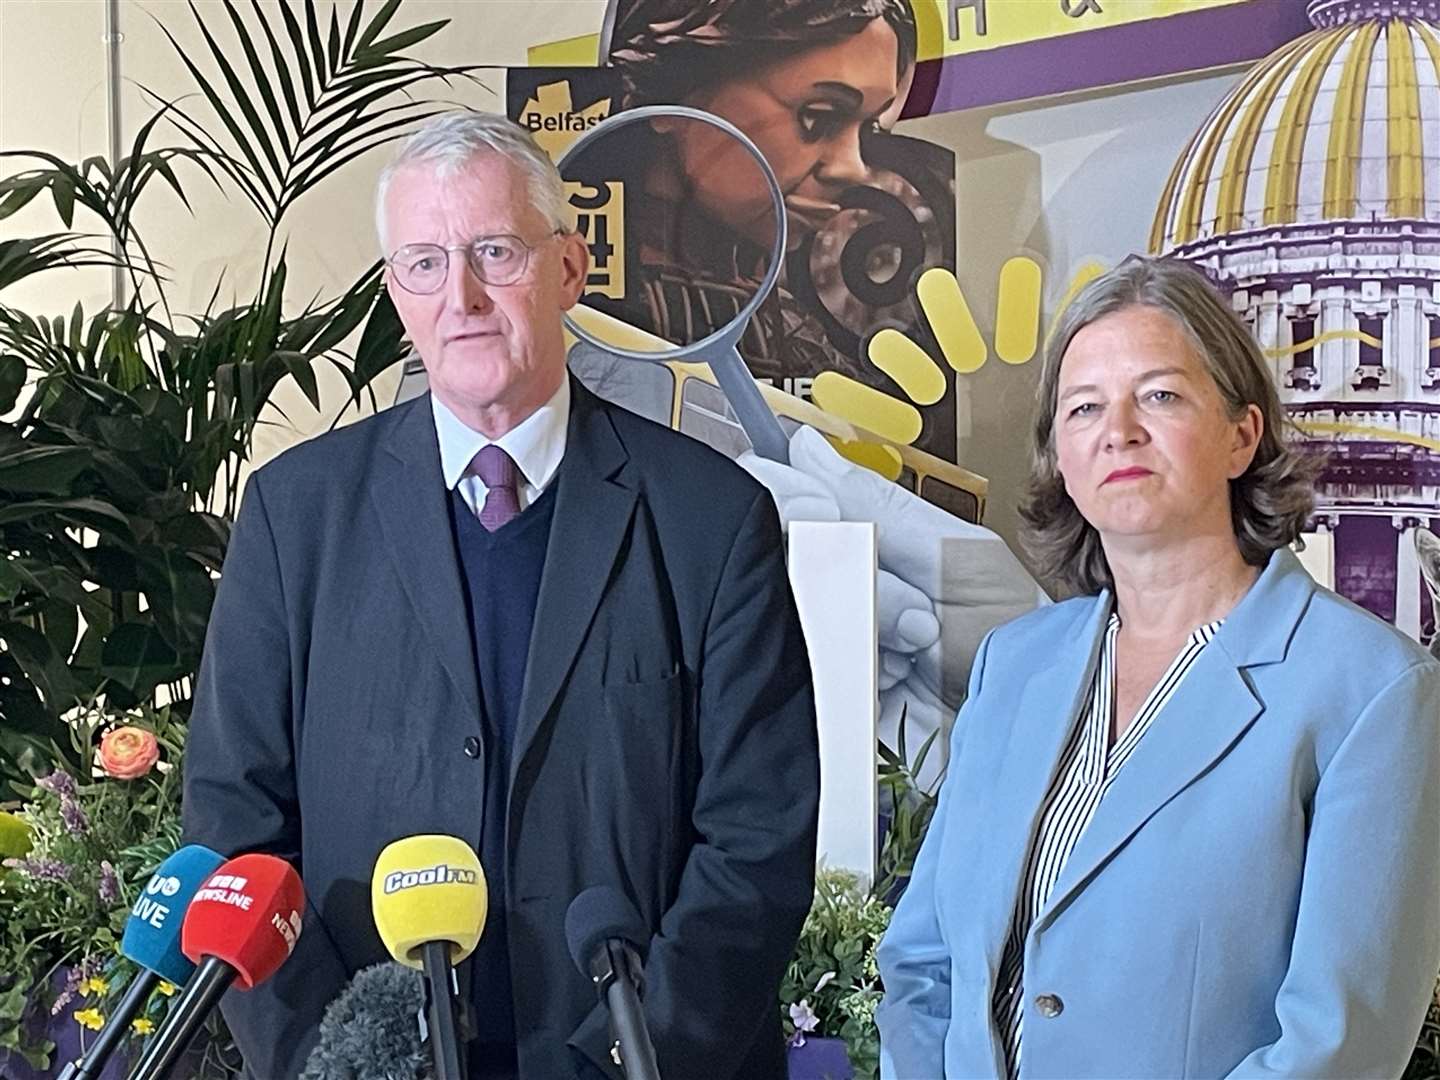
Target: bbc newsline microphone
x,y
429,901
152,941
606,937
240,927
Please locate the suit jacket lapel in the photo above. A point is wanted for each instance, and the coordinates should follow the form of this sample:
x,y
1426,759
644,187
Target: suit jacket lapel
x,y
1209,712
409,495
593,508
1047,710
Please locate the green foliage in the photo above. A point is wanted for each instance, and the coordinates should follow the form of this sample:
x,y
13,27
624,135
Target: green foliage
x,y
120,475
908,807
832,984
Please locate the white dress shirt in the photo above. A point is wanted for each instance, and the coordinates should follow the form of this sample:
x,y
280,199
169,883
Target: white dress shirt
x,y
536,446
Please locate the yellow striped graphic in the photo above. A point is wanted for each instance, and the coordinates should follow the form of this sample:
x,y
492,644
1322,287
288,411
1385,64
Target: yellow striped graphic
x,y
951,320
1192,202
1017,310
1282,185
1230,206
871,409
1342,159
1328,427
908,364
1402,125
1328,335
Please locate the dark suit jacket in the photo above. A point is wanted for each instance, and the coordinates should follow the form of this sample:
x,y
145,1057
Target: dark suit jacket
x,y
666,740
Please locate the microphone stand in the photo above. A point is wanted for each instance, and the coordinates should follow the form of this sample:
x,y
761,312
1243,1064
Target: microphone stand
x,y
615,970
187,1014
93,1060
441,990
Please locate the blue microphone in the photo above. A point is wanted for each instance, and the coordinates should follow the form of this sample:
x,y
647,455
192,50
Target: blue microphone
x,y
152,940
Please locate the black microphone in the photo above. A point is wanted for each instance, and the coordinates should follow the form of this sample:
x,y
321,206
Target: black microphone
x,y
605,934
372,1030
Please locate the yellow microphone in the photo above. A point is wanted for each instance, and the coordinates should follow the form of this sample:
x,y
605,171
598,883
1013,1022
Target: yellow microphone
x,y
428,897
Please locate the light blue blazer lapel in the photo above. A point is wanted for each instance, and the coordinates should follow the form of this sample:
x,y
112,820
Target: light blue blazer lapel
x,y
1209,712
1044,714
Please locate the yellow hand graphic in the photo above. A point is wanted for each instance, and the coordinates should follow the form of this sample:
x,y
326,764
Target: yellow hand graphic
x,y
962,347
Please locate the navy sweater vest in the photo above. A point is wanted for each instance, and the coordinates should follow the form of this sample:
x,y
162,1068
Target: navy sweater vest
x,y
501,574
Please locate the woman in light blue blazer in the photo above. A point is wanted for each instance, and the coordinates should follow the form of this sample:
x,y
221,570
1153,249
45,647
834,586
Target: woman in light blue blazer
x,y
1191,824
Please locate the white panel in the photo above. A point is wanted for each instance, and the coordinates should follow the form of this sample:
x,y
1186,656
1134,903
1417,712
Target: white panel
x,y
1318,558
1407,586
832,570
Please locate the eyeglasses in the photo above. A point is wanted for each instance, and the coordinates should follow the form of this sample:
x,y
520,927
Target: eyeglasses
x,y
496,260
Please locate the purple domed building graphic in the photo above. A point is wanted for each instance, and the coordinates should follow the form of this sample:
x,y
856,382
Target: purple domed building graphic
x,y
1312,196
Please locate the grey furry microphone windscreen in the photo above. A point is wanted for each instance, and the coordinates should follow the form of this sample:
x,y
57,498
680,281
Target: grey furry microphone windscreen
x,y
371,1030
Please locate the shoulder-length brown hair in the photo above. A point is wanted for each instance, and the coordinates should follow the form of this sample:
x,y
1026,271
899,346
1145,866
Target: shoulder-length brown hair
x,y
1269,503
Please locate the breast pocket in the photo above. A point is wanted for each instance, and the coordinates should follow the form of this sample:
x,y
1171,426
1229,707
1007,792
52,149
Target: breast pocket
x,y
648,720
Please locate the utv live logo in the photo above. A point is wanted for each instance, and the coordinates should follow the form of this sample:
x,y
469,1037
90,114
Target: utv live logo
x,y
150,907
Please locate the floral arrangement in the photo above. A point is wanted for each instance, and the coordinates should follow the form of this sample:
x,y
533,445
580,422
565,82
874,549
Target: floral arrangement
x,y
832,984
79,850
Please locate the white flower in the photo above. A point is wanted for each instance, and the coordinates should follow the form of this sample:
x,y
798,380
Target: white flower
x,y
804,1019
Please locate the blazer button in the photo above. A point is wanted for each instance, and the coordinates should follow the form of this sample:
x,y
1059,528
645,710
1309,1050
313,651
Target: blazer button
x,y
1049,1006
472,747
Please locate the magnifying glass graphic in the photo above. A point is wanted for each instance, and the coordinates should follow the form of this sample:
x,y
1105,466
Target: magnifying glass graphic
x,y
715,316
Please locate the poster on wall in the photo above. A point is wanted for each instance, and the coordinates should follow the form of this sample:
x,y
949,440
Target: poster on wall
x,y
680,227
1312,197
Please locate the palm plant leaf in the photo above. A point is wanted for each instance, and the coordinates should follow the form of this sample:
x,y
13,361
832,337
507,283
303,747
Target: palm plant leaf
x,y
33,254
280,139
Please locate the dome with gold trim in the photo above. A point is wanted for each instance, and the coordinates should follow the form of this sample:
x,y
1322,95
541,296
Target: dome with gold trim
x,y
1342,124
1311,196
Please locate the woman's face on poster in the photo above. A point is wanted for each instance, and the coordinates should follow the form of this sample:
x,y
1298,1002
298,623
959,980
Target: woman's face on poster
x,y
806,112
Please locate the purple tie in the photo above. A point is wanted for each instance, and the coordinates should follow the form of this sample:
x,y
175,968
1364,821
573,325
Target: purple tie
x,y
499,475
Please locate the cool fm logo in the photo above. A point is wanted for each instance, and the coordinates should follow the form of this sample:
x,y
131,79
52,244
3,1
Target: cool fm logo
x,y
440,874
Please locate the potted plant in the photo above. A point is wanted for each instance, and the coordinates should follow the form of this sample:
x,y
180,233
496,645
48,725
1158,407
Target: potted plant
x,y
832,985
120,476
91,839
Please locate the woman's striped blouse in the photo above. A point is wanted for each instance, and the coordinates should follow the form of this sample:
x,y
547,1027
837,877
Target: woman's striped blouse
x,y
1088,765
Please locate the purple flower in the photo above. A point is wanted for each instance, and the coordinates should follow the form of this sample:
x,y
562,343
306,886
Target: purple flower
x,y
109,883
71,813
805,1020
59,783
40,868
72,986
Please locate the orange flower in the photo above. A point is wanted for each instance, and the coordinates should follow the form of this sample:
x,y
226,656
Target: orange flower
x,y
127,753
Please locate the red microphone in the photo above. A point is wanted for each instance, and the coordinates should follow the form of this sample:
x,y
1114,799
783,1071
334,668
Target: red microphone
x,y
240,927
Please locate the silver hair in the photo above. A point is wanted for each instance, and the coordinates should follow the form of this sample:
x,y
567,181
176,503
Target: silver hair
x,y
450,140
1270,502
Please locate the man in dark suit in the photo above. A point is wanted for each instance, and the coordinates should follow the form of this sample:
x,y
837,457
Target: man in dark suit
x,y
511,612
